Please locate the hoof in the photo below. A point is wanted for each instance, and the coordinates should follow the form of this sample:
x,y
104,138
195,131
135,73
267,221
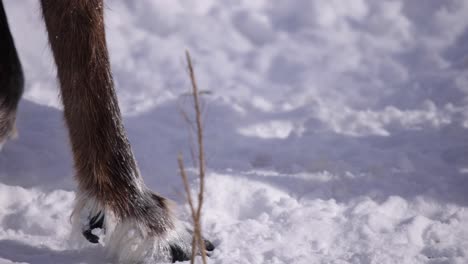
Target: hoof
x,y
95,222
151,235
179,254
208,245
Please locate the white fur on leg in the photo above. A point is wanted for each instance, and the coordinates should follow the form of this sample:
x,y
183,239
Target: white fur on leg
x,y
129,240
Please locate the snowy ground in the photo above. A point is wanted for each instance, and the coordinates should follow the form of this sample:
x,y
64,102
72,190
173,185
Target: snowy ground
x,y
337,130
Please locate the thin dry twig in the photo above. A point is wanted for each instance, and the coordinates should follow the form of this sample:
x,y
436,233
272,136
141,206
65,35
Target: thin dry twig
x,y
197,241
201,154
180,161
195,238
191,129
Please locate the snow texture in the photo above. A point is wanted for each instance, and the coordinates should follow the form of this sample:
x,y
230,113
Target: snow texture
x,y
336,131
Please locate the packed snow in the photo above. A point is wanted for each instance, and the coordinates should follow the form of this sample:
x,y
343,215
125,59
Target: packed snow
x,y
336,131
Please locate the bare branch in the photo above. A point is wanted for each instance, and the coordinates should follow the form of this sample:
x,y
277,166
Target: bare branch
x,y
201,154
191,129
197,241
180,161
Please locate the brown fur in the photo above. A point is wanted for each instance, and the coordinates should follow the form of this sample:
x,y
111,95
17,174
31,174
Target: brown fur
x,y
105,166
106,170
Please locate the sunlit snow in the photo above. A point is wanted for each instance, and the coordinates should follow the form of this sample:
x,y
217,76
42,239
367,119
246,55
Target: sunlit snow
x,y
336,131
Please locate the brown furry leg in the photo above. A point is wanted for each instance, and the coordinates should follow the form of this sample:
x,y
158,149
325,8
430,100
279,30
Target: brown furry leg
x,y
138,223
11,80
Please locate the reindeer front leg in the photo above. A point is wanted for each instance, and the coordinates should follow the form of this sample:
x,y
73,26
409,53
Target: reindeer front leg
x,y
111,193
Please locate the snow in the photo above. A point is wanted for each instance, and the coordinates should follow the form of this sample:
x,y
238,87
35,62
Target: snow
x,y
336,131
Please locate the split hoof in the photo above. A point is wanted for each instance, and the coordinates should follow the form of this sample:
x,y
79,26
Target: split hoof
x,y
95,222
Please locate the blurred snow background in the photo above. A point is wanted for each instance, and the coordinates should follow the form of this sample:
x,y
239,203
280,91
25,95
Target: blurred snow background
x,y
337,131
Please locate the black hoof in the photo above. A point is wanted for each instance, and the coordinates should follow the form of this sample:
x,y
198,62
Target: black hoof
x,y
178,254
208,245
96,221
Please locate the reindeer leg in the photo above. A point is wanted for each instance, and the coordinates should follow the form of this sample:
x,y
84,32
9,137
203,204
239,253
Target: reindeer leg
x,y
138,223
11,80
